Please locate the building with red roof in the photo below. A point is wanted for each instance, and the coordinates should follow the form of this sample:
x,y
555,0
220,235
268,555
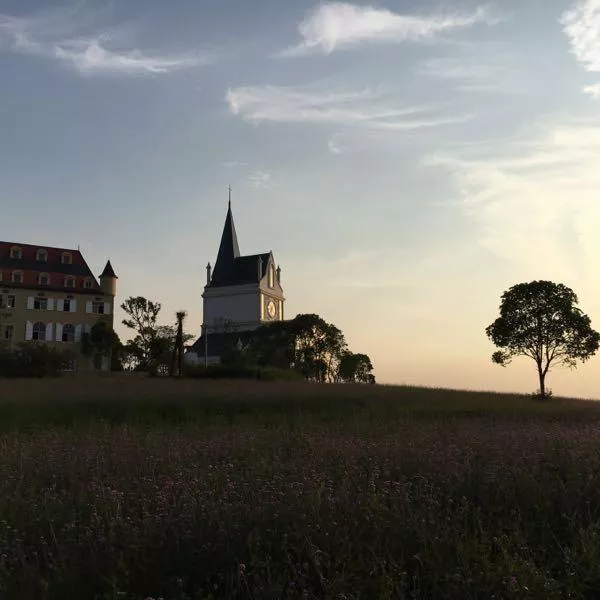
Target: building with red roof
x,y
50,295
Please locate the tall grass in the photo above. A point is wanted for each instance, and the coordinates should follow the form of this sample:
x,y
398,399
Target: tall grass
x,y
140,489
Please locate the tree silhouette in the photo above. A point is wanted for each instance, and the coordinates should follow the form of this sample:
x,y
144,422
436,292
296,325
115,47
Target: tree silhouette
x,y
540,320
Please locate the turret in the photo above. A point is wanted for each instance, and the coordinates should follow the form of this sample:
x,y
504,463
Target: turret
x,y
208,273
108,280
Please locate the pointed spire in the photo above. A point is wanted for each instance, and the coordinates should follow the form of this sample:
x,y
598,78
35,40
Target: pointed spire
x,y
229,250
108,271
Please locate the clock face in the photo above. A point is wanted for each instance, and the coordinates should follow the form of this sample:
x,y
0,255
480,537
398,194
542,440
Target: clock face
x,y
271,310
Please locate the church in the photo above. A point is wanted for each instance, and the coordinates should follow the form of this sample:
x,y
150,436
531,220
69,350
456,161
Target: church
x,y
241,293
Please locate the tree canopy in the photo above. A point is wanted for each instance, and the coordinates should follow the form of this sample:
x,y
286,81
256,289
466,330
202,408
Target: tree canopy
x,y
540,320
311,346
153,344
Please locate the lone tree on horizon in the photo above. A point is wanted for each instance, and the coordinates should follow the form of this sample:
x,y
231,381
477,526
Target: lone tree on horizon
x,y
540,320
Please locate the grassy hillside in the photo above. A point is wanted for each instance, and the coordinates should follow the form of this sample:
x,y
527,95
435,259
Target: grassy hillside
x,y
137,488
133,399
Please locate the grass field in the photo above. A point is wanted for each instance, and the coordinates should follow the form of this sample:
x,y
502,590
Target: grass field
x,y
134,488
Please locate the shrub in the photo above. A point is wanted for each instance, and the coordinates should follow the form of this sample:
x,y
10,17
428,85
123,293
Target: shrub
x,y
242,372
32,359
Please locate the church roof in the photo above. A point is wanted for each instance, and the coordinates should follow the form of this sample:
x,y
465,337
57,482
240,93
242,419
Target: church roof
x,y
229,250
231,268
218,342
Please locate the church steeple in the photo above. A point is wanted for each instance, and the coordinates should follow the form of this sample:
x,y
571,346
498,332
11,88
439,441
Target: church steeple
x,y
229,249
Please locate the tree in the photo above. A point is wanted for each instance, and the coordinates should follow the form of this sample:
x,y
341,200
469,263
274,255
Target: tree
x,y
177,354
540,320
147,344
102,341
307,344
355,368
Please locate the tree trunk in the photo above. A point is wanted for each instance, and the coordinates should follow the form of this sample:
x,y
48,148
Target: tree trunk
x,y
542,376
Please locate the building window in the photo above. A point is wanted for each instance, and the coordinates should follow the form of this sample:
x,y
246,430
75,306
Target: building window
x,y
271,276
68,333
70,282
10,301
8,332
44,279
66,258
41,255
16,252
98,307
39,331
67,305
87,283
40,303
17,277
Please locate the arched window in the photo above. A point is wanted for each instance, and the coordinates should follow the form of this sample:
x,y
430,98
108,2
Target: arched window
x,y
68,333
70,282
44,279
16,252
39,331
41,255
66,258
17,277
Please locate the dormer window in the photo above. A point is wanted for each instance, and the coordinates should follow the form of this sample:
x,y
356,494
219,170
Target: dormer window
x,y
87,283
44,279
66,258
16,252
17,277
41,255
70,282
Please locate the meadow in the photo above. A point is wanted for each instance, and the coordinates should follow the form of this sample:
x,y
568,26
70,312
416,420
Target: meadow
x,y
135,488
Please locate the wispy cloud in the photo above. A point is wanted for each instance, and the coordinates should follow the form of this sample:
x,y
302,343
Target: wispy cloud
x,y
69,37
535,205
339,25
473,74
581,24
309,104
230,164
592,90
261,180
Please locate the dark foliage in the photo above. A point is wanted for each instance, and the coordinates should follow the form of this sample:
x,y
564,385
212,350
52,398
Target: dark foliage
x,y
34,359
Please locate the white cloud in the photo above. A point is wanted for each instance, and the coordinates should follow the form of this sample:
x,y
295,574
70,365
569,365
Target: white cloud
x,y
309,104
474,74
536,205
260,180
338,25
581,24
593,90
90,56
64,35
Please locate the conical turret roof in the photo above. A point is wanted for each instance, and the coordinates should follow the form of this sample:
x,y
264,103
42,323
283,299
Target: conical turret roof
x,y
108,271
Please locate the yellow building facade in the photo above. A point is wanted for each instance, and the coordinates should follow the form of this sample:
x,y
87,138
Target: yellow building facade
x,y
50,296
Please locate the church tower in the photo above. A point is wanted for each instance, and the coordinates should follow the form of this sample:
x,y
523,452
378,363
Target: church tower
x,y
241,293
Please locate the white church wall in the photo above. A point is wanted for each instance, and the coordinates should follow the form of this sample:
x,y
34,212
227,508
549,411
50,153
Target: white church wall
x,y
236,304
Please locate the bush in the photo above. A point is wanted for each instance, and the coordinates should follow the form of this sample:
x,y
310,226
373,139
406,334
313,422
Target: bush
x,y
241,372
32,359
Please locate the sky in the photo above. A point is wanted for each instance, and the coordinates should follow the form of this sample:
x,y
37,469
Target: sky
x,y
405,161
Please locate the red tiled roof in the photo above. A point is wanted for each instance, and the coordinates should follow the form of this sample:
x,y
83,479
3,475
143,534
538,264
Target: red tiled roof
x,y
58,271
